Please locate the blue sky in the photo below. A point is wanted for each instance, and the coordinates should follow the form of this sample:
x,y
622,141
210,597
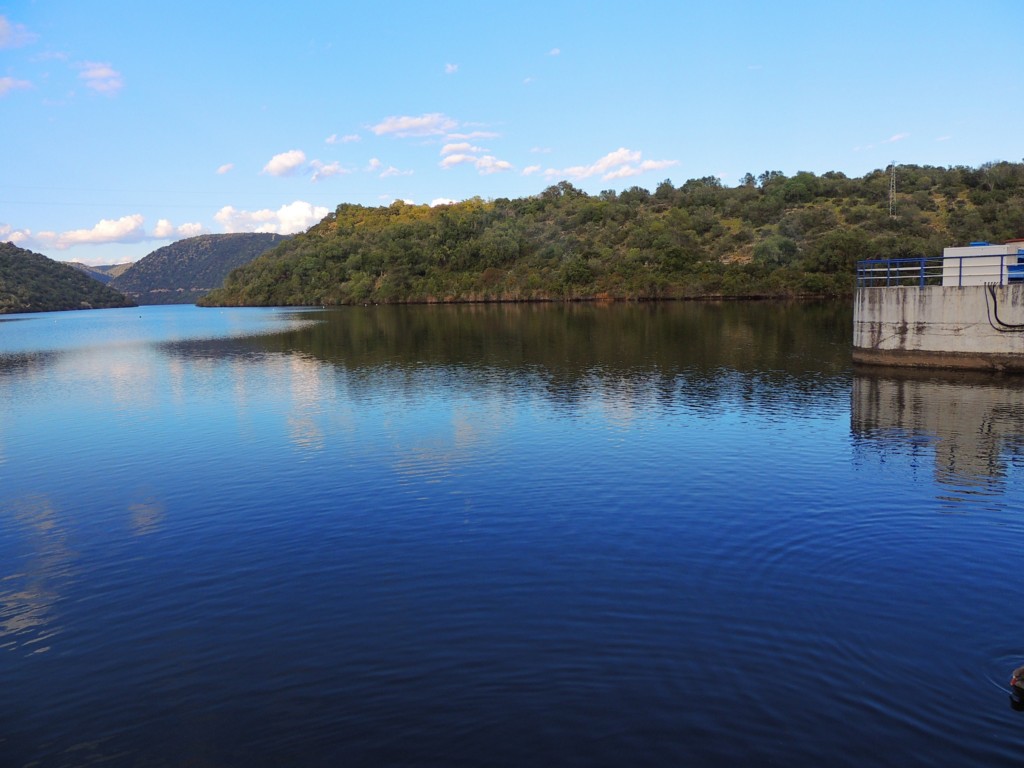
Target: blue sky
x,y
126,126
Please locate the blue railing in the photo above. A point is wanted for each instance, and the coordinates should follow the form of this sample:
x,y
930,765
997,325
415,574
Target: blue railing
x,y
937,270
884,273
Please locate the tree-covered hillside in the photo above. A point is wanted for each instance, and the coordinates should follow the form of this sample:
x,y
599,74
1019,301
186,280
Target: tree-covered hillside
x,y
30,282
771,235
182,272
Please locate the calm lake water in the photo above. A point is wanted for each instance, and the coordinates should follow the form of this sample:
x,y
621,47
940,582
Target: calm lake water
x,y
666,534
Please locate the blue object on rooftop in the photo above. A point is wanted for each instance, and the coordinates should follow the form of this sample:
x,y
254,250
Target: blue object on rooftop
x,y
980,242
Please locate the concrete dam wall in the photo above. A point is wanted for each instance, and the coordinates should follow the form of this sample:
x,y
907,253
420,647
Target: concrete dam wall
x,y
978,327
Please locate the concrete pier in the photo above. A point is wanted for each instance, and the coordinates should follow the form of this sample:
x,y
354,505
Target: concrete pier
x,y
977,327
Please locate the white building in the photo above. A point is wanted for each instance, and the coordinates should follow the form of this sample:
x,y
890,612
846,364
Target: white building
x,y
981,263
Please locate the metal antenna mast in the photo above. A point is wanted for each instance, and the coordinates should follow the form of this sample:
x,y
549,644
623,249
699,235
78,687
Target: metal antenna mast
x,y
892,191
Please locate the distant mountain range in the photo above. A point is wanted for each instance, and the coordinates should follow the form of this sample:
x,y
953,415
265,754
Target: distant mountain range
x,y
104,273
30,282
185,271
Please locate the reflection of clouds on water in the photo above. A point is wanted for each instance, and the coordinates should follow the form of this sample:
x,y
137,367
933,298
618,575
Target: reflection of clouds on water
x,y
146,515
240,372
467,432
970,427
176,373
621,399
309,394
131,385
305,433
30,587
302,391
123,376
446,444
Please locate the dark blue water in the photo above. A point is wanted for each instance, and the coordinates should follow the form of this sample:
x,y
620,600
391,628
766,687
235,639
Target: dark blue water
x,y
673,534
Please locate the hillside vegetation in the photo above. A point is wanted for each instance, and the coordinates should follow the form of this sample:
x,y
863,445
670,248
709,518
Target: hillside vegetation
x,y
772,235
30,282
185,271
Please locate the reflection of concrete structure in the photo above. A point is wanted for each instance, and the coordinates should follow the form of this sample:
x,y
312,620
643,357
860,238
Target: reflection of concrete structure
x,y
973,424
965,310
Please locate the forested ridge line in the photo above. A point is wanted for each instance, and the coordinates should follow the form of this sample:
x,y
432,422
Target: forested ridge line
x,y
31,282
771,235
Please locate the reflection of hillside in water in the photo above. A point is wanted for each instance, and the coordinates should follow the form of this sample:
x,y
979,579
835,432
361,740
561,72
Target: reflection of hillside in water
x,y
26,363
974,423
771,356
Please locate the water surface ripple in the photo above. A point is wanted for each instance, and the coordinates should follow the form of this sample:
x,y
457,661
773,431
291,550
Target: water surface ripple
x,y
667,534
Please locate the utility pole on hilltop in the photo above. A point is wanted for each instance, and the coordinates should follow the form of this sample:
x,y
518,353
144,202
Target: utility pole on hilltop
x,y
892,191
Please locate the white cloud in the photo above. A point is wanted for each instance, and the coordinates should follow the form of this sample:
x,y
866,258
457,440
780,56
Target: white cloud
x,y
943,138
11,84
191,229
285,163
891,140
452,160
605,164
472,135
615,165
298,216
540,150
636,170
488,165
441,201
375,165
286,220
554,52
432,124
451,69
463,146
326,170
100,76
127,229
530,170
163,229
234,220
51,56
12,235
347,139
227,167
527,80
14,35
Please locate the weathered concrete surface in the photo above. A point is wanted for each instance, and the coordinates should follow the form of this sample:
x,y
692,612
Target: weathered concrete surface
x,y
940,327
